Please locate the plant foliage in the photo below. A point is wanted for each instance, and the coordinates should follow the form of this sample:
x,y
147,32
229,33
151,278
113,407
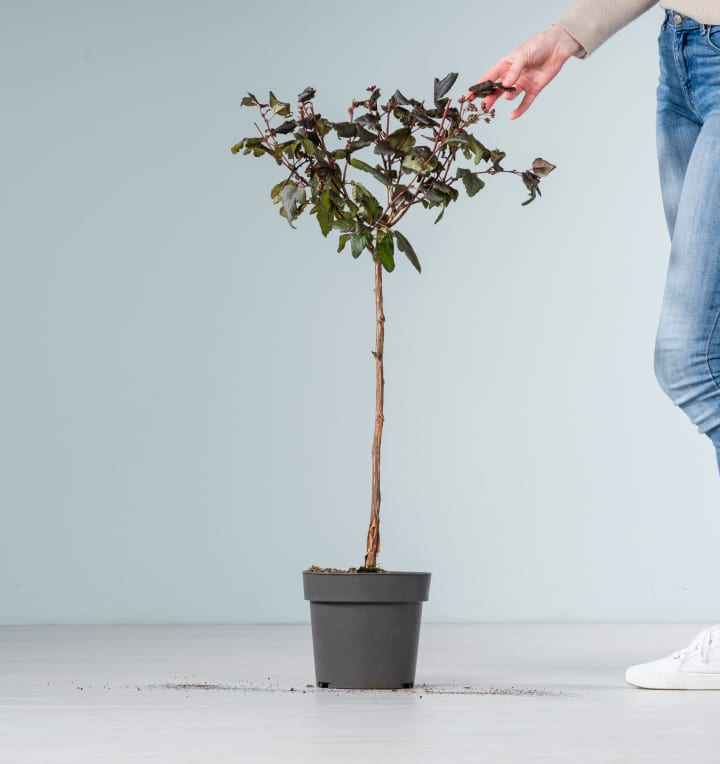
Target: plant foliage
x,y
412,149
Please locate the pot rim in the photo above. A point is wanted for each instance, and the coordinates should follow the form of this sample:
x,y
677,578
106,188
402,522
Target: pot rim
x,y
355,573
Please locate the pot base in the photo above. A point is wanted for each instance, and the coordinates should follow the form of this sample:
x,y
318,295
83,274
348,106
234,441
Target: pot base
x,y
365,645
366,628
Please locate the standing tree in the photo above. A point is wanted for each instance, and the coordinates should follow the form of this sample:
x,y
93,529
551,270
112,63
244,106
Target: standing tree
x,y
416,148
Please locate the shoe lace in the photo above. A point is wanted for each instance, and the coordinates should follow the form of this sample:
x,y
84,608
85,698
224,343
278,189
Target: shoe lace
x,y
701,643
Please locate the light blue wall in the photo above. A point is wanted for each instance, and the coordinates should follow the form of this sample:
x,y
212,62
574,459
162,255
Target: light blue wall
x,y
187,390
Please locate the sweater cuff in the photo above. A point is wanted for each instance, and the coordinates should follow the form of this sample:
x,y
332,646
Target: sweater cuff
x,y
585,30
582,53
593,22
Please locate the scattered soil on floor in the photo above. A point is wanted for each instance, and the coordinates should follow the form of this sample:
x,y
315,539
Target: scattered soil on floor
x,y
184,686
423,689
435,690
195,686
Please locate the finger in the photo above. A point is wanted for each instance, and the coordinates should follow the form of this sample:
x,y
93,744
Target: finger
x,y
493,74
511,95
512,75
497,71
524,105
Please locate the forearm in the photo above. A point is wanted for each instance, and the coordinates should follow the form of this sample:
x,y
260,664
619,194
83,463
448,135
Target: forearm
x,y
592,22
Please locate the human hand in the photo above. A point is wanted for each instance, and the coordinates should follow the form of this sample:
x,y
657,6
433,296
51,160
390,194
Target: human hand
x,y
530,67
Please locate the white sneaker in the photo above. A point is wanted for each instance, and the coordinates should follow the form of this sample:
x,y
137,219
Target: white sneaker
x,y
696,667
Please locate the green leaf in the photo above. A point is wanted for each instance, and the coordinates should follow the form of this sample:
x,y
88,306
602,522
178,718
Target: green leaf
x,y
445,189
496,156
374,171
416,164
326,201
365,135
345,224
256,147
323,210
292,197
472,183
532,183
345,129
365,139
323,126
236,148
443,86
420,160
542,168
276,189
401,194
324,221
401,139
434,197
358,244
289,147
384,149
530,180
343,240
402,115
251,100
471,147
369,121
385,250
278,107
405,247
370,207
480,153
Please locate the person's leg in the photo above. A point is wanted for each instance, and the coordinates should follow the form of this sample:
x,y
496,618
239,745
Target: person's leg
x,y
687,349
677,131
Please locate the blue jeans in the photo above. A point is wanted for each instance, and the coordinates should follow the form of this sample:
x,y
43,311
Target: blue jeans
x,y
687,349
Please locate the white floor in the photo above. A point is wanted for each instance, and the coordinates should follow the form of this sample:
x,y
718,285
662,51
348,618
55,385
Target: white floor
x,y
214,694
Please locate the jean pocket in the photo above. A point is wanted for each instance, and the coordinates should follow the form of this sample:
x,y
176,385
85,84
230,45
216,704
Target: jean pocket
x,y
713,37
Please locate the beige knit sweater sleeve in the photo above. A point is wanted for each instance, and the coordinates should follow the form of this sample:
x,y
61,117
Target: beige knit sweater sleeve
x,y
592,22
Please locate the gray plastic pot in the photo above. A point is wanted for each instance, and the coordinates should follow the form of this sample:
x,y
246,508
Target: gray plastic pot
x,y
366,627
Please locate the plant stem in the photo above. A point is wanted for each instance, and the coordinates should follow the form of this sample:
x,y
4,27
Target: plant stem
x,y
440,129
373,538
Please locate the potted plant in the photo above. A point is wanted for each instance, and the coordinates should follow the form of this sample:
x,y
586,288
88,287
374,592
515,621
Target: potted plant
x,y
366,620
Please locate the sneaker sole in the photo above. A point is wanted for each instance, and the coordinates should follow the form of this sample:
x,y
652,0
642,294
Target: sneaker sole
x,y
681,681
